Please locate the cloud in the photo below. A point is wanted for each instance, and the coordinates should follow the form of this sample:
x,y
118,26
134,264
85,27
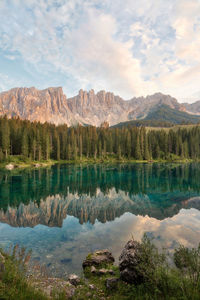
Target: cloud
x,y
131,48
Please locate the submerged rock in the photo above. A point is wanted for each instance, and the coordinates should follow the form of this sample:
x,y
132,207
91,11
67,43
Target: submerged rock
x,y
98,258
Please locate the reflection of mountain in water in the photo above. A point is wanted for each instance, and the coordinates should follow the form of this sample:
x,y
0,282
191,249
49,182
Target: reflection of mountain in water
x,y
97,192
54,209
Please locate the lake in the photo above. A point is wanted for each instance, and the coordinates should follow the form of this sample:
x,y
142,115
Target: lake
x,y
64,212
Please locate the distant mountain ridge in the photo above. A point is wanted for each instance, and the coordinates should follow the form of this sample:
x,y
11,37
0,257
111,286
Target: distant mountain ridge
x,y
52,105
165,113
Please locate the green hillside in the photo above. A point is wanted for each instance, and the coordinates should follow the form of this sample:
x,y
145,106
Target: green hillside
x,y
146,123
162,116
168,114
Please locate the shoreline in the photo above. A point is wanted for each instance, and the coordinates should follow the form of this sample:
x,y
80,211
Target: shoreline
x,y
13,164
142,272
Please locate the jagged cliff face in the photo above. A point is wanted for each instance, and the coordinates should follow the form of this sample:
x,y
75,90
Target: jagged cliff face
x,y
91,108
143,105
47,105
51,105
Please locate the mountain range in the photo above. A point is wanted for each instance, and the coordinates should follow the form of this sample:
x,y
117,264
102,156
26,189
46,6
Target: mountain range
x,y
52,105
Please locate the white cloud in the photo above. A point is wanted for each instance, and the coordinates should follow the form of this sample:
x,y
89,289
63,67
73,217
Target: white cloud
x,y
131,48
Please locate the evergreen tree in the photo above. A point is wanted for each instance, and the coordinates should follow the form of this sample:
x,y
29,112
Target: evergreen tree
x,y
80,147
47,147
47,141
119,152
68,154
57,147
5,137
146,148
138,155
25,147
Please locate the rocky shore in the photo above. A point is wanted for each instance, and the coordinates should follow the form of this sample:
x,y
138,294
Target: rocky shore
x,y
142,273
100,275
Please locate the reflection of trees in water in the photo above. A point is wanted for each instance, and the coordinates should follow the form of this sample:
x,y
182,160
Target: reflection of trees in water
x,y
150,179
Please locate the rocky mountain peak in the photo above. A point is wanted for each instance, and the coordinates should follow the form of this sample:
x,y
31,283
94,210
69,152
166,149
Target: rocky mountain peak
x,y
52,105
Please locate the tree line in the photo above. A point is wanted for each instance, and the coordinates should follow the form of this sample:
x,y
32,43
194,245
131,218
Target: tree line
x,y
46,141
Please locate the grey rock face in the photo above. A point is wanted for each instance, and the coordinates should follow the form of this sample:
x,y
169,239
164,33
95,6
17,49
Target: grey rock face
x,y
51,105
47,105
193,108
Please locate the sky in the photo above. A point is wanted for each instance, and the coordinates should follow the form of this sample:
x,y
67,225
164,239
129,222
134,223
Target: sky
x,y
130,47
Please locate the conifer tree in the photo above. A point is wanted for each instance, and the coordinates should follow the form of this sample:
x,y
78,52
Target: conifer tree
x,y
146,148
25,146
68,154
138,155
47,147
80,147
119,152
5,137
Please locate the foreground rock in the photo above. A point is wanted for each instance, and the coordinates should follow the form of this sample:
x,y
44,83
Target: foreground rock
x,y
51,285
111,283
74,279
128,262
98,258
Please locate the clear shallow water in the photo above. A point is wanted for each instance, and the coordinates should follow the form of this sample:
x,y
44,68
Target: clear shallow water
x,y
66,211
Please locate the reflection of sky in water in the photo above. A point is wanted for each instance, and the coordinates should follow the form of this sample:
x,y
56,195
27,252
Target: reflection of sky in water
x,y
63,249
113,203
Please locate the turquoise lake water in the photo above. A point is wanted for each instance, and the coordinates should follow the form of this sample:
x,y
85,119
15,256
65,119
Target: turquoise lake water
x,y
66,211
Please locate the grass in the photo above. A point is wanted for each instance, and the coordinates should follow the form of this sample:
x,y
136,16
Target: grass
x,y
175,127
177,281
13,284
160,280
21,162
